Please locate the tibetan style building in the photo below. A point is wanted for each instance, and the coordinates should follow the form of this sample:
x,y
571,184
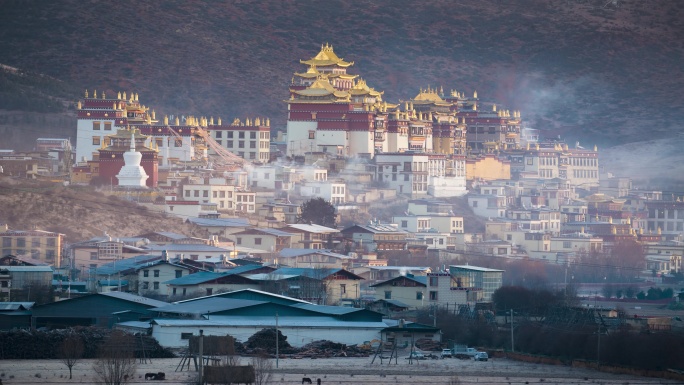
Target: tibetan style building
x,y
111,158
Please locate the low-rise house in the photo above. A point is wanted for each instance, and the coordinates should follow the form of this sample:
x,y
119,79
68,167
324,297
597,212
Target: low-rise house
x,y
151,277
312,258
313,236
266,239
222,227
209,283
377,237
195,209
486,279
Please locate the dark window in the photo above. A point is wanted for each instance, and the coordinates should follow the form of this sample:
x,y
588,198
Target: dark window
x,y
146,273
186,336
433,296
179,273
388,294
156,273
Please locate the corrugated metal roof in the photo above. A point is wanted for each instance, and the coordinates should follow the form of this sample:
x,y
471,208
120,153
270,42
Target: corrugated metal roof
x,y
27,269
5,306
194,279
305,321
336,310
292,252
125,264
188,248
207,306
270,276
313,228
135,298
220,222
475,268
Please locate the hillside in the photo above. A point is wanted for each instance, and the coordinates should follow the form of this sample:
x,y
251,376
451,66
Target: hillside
x,y
79,213
592,71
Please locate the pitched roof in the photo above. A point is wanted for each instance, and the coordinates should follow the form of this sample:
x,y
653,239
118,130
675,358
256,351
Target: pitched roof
x,y
265,230
420,279
126,264
134,298
291,252
220,222
206,305
313,228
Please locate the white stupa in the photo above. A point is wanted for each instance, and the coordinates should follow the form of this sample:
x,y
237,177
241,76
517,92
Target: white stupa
x,y
132,174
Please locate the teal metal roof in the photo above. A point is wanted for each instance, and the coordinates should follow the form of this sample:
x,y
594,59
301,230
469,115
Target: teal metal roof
x,y
207,306
195,278
332,310
421,279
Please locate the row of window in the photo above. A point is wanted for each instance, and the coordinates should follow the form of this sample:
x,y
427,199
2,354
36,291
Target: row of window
x,y
107,126
432,295
35,242
35,254
241,135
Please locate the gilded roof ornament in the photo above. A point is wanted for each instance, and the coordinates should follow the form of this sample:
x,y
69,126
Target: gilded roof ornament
x,y
124,95
103,95
94,94
78,105
86,93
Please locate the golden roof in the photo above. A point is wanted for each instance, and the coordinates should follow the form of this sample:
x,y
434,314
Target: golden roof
x,y
321,87
123,133
327,57
361,88
312,72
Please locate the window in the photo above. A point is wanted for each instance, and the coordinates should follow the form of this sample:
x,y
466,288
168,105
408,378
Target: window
x,y
530,161
156,286
51,242
96,125
434,281
145,285
257,241
567,244
108,126
93,255
156,273
404,224
239,240
312,134
174,291
21,242
419,295
474,203
241,135
96,140
343,288
252,135
146,273
433,296
219,134
209,291
388,294
185,336
229,143
252,144
229,134
179,273
178,143
241,144
35,242
205,194
6,242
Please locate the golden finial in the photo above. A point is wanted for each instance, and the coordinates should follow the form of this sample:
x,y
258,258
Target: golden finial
x,y
219,121
177,121
103,95
494,107
154,115
257,122
94,94
136,96
114,106
268,122
86,93
149,119
124,95
536,147
595,148
475,95
660,231
528,146
474,106
166,120
118,96
211,120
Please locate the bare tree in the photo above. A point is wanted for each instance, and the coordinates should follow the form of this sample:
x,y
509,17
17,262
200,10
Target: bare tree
x,y
71,351
262,369
116,362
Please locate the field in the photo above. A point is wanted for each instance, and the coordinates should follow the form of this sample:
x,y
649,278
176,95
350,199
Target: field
x,y
342,371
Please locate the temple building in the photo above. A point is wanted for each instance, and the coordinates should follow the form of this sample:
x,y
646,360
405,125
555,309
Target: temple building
x,y
111,158
334,112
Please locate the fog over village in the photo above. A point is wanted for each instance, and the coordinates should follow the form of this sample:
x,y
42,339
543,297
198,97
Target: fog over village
x,y
372,192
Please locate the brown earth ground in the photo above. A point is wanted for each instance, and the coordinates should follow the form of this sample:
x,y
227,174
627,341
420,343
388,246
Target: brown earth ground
x,y
342,371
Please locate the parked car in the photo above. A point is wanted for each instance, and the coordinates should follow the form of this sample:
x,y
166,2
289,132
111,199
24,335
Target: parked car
x,y
416,356
481,356
446,353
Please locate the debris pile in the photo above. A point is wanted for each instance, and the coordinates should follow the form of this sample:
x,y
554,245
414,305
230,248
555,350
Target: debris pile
x,y
327,349
427,344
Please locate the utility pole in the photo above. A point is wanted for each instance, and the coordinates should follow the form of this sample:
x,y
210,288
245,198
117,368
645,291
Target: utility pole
x,y
201,358
512,341
277,342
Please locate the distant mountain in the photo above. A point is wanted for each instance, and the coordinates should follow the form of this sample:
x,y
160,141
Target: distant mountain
x,y
590,70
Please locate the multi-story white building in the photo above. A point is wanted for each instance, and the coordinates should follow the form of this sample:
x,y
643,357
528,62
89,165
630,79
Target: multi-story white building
x,y
249,140
334,192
